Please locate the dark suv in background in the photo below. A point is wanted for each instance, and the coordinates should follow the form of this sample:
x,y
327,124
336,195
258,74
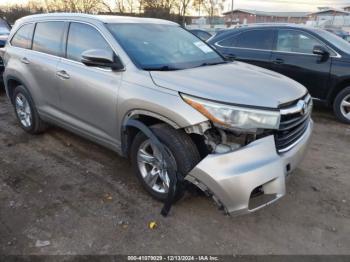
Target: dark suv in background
x,y
5,29
202,34
314,57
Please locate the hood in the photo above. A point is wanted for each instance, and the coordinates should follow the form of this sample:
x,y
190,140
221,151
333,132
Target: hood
x,y
237,83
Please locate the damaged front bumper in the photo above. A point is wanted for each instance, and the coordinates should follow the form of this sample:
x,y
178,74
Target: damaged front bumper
x,y
250,178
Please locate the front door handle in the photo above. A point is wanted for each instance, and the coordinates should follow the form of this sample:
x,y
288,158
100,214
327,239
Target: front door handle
x,y
25,60
278,61
63,74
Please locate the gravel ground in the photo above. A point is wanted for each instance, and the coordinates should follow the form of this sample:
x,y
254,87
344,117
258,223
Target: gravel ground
x,y
60,194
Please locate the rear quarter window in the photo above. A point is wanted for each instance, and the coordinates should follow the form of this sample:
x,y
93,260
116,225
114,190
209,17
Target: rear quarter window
x,y
23,37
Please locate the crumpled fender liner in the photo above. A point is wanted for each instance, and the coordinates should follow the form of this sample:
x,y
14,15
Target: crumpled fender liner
x,y
175,183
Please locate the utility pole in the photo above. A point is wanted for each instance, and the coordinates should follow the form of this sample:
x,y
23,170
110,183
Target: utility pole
x,y
232,5
199,7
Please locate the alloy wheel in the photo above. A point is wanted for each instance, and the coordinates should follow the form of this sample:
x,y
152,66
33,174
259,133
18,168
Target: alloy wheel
x,y
152,169
345,107
23,110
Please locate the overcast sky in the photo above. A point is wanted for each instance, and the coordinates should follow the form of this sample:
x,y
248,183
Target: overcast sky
x,y
265,5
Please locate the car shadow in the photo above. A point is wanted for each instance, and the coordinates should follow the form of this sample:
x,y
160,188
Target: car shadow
x,y
322,113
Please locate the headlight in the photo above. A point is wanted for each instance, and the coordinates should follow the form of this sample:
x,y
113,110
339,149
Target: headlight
x,y
235,117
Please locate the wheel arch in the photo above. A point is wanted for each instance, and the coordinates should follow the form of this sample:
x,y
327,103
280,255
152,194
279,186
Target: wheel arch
x,y
146,117
338,88
10,85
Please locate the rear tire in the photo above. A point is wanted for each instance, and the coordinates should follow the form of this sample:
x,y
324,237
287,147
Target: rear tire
x,y
341,106
182,151
26,112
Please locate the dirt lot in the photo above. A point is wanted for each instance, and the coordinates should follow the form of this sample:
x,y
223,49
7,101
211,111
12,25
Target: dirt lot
x,y
83,199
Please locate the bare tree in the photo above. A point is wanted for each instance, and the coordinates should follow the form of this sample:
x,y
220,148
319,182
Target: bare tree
x,y
130,5
80,6
14,12
182,7
213,7
120,6
197,5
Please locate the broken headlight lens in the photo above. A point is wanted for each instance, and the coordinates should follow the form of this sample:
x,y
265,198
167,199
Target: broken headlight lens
x,y
235,117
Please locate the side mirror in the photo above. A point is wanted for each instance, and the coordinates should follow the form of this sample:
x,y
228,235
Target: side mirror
x,y
320,50
101,58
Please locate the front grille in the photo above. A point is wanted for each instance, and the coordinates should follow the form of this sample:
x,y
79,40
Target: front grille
x,y
294,122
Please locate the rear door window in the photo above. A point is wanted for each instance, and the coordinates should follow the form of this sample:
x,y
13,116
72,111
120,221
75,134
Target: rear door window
x,y
23,37
256,39
83,37
49,38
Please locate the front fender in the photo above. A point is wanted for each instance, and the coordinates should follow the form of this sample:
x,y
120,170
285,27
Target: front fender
x,y
166,106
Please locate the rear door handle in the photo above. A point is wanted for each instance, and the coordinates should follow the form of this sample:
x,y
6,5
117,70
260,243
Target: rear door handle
x,y
25,60
278,61
63,74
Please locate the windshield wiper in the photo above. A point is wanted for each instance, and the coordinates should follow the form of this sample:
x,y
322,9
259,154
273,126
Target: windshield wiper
x,y
215,63
162,68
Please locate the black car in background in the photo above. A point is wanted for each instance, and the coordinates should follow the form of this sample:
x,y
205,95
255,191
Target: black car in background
x,y
204,35
5,29
314,57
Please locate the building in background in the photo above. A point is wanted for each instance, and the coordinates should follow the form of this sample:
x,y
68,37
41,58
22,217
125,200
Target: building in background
x,y
244,16
325,17
331,18
327,12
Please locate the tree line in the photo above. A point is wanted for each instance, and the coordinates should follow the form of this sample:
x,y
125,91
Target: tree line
x,y
175,10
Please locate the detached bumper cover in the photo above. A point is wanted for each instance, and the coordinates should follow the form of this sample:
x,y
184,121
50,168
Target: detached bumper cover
x,y
234,178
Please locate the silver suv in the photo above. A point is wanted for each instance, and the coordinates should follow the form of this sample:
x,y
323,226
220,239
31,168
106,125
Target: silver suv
x,y
143,87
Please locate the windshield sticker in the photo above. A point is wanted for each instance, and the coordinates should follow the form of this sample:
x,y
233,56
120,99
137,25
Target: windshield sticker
x,y
206,49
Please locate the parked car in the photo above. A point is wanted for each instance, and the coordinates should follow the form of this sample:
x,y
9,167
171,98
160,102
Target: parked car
x,y
317,59
4,33
204,35
151,91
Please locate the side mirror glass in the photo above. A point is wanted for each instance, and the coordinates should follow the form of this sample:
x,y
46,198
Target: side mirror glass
x,y
101,58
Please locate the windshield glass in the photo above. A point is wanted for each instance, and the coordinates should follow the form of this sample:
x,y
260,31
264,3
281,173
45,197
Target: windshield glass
x,y
163,47
337,41
4,28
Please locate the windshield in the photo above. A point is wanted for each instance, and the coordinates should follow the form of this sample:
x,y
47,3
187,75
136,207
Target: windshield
x,y
337,41
4,28
163,47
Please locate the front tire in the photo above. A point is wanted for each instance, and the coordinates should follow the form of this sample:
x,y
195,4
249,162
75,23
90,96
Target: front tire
x,y
342,106
26,112
145,159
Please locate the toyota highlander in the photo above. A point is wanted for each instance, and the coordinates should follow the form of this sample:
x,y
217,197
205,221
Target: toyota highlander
x,y
234,130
